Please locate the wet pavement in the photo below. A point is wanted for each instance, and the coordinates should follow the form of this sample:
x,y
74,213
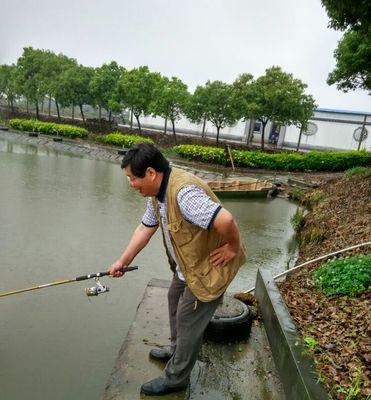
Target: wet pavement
x,y
223,372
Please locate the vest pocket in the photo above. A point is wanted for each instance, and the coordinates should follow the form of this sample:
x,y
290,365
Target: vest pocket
x,y
180,234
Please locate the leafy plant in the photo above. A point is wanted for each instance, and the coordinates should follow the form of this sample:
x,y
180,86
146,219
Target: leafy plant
x,y
48,128
118,139
357,171
344,276
311,342
311,161
297,220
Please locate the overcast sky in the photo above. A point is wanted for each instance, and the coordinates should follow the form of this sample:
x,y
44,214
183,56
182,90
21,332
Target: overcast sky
x,y
194,40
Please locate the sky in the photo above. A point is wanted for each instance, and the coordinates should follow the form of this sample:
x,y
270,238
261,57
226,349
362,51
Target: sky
x,y
194,40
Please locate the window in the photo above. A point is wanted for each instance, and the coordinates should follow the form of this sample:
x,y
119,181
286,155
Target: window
x,y
257,126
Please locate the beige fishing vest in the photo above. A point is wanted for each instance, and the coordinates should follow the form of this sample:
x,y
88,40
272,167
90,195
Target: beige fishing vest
x,y
193,245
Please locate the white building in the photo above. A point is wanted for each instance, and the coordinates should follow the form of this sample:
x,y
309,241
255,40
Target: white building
x,y
327,130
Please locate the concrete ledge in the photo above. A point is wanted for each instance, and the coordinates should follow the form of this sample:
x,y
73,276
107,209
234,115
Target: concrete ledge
x,y
294,365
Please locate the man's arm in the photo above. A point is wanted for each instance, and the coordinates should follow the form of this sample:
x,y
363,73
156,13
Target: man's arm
x,y
138,241
226,226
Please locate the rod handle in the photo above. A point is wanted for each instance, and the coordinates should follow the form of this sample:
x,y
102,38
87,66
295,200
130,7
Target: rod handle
x,y
105,273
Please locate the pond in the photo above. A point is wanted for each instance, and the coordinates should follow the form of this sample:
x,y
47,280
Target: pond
x,y
62,216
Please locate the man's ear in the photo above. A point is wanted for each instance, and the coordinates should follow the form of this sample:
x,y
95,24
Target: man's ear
x,y
151,172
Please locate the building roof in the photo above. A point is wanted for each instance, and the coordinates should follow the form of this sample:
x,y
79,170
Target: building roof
x,y
333,111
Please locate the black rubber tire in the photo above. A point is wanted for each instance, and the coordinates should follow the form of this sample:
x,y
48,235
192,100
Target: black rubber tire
x,y
230,328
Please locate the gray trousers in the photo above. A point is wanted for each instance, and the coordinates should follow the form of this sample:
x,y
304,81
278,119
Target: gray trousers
x,y
188,320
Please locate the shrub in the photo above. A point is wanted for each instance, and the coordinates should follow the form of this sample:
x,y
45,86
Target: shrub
x,y
118,139
48,128
344,276
312,161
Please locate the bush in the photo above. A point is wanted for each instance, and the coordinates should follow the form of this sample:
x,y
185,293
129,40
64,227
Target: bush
x,y
344,276
312,161
118,139
48,128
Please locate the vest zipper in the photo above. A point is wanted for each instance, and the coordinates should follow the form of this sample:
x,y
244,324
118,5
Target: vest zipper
x,y
195,305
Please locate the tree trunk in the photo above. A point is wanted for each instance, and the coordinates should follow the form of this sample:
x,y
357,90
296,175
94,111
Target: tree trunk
x,y
82,113
12,105
100,113
42,106
174,134
49,105
165,129
140,128
59,114
73,112
299,140
37,110
27,108
203,128
217,135
109,116
131,119
263,131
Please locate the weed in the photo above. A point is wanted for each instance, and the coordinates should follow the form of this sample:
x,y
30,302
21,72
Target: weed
x,y
311,342
357,170
354,389
344,276
297,220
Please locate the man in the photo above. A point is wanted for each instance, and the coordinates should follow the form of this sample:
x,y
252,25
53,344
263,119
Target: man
x,y
203,246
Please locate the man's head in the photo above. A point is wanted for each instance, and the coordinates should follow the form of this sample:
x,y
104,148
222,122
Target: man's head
x,y
144,166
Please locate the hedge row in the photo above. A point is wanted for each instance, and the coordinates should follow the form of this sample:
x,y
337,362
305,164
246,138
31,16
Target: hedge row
x,y
118,139
311,161
48,128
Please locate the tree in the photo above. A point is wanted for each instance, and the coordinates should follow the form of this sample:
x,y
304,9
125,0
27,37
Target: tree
x,y
73,87
196,107
104,85
169,100
353,54
136,89
217,103
279,97
32,76
243,96
8,83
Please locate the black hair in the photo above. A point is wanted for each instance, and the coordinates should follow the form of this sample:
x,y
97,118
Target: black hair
x,y
142,156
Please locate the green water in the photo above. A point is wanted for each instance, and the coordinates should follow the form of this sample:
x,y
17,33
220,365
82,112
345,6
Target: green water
x,y
62,216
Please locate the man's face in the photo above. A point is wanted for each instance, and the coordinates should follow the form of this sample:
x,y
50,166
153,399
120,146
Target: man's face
x,y
146,186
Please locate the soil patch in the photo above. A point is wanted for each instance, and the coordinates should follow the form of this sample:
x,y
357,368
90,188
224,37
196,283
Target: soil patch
x,y
337,328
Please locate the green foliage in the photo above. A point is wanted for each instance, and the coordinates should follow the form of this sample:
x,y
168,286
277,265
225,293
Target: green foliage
x,y
353,391
297,220
169,99
136,90
313,198
278,96
353,65
201,153
311,342
48,128
358,171
311,161
353,54
118,139
297,194
344,276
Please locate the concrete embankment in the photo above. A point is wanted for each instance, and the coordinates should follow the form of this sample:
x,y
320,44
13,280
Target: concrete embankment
x,y
223,372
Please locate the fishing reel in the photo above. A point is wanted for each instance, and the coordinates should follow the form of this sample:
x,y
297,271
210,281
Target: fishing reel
x,y
97,289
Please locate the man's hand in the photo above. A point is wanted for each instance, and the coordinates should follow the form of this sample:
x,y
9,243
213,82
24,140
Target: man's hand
x,y
115,269
222,255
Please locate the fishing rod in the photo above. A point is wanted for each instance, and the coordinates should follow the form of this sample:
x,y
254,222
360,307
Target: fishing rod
x,y
92,291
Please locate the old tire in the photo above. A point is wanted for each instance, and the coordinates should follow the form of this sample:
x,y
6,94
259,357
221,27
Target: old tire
x,y
231,322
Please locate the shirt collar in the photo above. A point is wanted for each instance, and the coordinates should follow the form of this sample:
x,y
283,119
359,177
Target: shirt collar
x,y
165,180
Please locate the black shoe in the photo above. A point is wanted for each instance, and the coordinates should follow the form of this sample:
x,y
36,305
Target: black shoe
x,y
157,387
163,355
